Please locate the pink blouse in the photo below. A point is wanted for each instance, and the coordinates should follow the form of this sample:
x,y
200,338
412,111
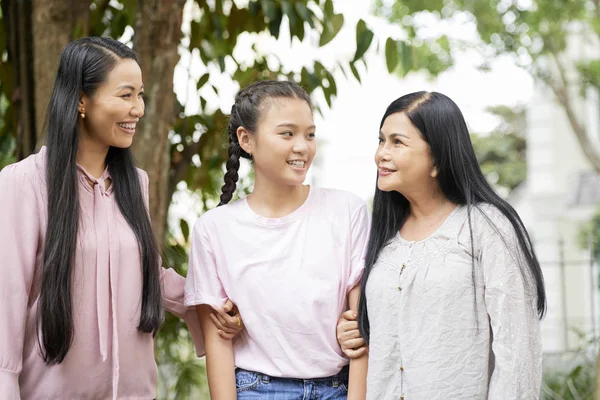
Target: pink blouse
x,y
109,358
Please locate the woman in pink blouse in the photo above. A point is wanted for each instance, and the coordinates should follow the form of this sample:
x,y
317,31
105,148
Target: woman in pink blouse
x,y
82,291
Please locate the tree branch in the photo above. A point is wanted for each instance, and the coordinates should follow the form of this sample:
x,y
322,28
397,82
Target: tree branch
x,y
561,92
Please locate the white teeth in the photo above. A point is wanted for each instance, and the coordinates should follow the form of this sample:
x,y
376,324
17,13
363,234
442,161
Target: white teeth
x,y
128,126
297,163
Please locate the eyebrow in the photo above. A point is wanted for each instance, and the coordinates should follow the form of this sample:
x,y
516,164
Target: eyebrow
x,y
393,135
290,125
128,87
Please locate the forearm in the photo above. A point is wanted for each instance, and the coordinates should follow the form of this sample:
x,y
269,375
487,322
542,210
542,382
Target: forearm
x,y
219,358
357,380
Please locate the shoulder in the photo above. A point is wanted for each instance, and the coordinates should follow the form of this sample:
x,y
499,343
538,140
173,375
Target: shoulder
x,y
142,175
27,172
211,220
489,219
339,199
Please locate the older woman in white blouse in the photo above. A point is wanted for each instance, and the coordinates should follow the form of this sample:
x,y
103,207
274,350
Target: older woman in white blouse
x,y
452,291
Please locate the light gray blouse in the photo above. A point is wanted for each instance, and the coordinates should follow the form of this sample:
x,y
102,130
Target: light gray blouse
x,y
445,327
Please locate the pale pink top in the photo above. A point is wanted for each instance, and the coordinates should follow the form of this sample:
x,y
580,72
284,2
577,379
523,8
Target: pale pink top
x,y
289,277
109,358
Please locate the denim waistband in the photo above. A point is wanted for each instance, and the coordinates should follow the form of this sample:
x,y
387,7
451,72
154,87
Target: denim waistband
x,y
337,379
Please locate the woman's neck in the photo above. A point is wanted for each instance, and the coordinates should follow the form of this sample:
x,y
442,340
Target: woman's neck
x,y
275,201
92,156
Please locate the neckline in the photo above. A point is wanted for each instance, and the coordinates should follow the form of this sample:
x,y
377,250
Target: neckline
x,y
437,231
85,178
271,222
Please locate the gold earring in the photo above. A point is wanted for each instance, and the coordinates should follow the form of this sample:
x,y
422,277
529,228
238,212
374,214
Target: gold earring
x,y
82,114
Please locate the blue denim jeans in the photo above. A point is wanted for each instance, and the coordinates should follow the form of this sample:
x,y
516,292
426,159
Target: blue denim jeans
x,y
253,385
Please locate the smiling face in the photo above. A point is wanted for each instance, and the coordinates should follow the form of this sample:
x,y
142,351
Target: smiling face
x,y
283,146
404,160
112,111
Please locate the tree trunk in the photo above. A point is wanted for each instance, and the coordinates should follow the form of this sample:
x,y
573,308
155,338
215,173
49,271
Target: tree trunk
x,y
53,23
19,50
157,37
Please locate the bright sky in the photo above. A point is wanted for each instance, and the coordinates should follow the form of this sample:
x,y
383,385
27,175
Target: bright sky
x,y
348,131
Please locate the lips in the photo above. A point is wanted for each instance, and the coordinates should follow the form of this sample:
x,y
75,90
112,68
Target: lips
x,y
385,171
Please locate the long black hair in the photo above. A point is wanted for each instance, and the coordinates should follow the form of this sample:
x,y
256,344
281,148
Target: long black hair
x,y
250,103
443,127
84,65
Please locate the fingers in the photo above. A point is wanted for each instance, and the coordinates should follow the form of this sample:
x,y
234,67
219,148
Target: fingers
x,y
346,333
226,336
231,322
355,353
353,344
228,307
349,315
223,329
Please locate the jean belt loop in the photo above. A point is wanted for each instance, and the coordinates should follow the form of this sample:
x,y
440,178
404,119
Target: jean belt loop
x,y
335,380
265,378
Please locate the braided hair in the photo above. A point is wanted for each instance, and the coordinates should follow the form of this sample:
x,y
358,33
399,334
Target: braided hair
x,y
250,103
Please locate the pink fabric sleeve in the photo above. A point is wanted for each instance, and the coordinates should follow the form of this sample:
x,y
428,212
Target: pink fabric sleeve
x,y
173,286
19,241
360,236
203,285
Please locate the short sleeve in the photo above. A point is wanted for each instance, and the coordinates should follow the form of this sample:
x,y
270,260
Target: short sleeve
x,y
359,230
203,285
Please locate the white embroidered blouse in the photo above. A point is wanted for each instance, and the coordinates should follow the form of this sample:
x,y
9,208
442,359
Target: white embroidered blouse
x,y
445,327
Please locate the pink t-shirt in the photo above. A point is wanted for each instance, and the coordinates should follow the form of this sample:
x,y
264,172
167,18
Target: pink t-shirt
x,y
288,276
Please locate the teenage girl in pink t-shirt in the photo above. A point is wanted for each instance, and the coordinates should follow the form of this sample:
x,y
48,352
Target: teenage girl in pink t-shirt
x,y
287,254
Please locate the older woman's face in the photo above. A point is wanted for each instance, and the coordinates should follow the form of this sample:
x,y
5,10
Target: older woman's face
x,y
404,160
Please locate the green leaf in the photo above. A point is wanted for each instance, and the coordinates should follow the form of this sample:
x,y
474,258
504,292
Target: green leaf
x,y
221,61
391,54
202,81
303,11
331,29
354,72
328,9
288,10
364,37
185,229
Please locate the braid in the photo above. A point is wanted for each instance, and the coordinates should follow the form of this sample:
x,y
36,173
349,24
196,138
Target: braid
x,y
231,176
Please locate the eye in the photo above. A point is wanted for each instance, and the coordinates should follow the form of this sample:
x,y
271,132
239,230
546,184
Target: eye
x,y
398,141
142,95
381,140
311,135
287,134
126,96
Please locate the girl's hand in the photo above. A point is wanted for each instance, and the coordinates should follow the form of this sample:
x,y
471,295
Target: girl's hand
x,y
348,336
227,320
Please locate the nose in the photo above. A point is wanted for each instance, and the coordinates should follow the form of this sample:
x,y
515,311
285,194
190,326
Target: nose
x,y
137,110
300,145
382,154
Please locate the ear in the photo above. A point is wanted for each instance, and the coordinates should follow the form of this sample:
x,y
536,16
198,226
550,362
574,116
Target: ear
x,y
245,139
434,172
81,105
